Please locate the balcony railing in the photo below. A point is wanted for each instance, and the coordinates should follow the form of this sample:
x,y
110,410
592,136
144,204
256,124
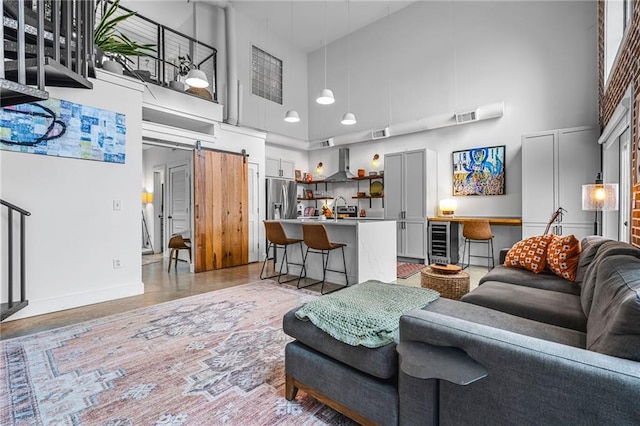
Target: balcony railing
x,y
163,67
11,306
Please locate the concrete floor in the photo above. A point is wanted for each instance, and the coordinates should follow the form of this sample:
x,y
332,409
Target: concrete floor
x,y
160,286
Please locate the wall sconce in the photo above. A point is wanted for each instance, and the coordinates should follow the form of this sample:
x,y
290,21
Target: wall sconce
x,y
319,168
374,162
448,207
147,197
599,197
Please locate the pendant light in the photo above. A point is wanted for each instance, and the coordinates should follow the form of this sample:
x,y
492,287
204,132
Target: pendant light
x,y
292,115
326,96
348,118
196,77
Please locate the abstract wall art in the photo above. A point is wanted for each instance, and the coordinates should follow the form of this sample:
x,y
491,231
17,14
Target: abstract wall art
x,y
64,129
479,171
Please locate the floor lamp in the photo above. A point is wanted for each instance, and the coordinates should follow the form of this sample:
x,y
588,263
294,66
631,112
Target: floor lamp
x,y
599,197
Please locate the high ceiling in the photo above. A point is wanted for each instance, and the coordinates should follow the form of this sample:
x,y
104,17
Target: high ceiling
x,y
309,17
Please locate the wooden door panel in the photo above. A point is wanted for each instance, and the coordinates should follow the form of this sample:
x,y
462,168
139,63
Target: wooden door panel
x,y
221,213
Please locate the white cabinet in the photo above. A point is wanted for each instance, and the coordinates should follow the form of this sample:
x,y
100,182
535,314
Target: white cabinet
x,y
409,194
278,167
555,165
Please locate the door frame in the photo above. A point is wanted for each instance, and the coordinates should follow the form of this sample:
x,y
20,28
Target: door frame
x,y
620,122
188,163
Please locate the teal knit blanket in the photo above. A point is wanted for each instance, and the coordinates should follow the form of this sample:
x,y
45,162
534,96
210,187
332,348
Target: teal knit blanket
x,y
366,314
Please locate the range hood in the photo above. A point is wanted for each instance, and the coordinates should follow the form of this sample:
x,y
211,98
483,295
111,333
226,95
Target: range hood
x,y
343,174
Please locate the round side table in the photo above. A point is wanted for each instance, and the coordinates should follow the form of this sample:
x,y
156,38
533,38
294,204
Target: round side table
x,y
451,286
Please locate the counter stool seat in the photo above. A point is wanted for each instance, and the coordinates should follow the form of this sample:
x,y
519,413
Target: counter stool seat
x,y
278,239
317,241
176,243
477,231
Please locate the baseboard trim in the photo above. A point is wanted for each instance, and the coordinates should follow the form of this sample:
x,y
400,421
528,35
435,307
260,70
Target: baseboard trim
x,y
75,300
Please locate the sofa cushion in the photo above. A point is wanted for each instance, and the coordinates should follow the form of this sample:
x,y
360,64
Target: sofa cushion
x,y
563,255
590,246
380,362
546,280
550,307
605,249
613,327
530,253
492,318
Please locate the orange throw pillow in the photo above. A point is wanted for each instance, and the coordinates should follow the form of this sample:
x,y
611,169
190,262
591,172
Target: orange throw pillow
x,y
530,254
563,255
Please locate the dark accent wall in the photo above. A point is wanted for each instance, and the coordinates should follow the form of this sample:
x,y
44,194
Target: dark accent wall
x,y
626,71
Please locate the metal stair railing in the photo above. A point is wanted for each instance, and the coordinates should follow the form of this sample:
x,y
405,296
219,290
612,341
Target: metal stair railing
x,y
10,307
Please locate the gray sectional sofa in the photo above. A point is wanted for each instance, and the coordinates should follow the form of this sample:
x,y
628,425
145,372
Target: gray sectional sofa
x,y
556,352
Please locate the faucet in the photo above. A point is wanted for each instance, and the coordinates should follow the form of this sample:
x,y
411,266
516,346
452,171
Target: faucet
x,y
335,207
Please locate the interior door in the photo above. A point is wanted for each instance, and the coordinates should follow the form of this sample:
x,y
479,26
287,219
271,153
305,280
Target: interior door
x,y
179,201
221,210
254,213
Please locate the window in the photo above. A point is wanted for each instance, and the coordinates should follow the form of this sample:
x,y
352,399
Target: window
x,y
617,17
266,75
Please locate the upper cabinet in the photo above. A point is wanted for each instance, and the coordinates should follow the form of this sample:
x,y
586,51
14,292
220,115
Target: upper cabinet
x,y
278,167
555,165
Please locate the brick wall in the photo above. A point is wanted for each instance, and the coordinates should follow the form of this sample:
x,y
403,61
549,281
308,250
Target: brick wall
x,y
626,71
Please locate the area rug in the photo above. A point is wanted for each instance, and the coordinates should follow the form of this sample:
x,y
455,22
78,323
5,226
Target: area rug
x,y
211,359
406,270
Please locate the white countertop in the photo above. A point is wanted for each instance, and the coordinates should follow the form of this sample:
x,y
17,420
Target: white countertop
x,y
351,221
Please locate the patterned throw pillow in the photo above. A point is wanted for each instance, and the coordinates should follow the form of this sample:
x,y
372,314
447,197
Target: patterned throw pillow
x,y
530,254
563,255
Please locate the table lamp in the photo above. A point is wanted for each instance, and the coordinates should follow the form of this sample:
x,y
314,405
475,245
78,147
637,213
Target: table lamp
x,y
599,197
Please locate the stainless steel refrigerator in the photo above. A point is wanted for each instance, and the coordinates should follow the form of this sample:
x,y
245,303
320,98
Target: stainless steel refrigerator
x,y
282,199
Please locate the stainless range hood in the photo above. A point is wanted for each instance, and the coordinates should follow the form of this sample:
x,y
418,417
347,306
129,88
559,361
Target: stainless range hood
x,y
343,174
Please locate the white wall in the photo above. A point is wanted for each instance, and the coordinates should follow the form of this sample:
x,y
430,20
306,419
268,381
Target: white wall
x,y
538,57
258,112
74,234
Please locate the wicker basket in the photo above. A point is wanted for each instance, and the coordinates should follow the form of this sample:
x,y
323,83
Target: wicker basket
x,y
451,286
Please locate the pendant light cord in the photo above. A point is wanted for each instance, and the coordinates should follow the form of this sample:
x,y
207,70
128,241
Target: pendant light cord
x,y
348,56
325,44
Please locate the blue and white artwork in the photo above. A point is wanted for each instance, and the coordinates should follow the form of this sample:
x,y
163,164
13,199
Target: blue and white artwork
x,y
64,129
479,171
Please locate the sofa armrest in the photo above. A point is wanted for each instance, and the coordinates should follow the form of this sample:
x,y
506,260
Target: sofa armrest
x,y
503,255
530,380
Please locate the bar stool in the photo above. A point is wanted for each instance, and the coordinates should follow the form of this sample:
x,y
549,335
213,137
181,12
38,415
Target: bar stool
x,y
317,241
278,239
176,243
477,231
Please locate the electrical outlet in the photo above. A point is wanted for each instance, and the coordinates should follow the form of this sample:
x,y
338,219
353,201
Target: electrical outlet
x,y
116,264
116,205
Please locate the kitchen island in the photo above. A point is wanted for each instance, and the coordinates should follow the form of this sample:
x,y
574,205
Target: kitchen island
x,y
370,252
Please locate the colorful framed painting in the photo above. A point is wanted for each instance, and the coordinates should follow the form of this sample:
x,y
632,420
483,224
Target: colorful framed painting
x,y
479,171
61,128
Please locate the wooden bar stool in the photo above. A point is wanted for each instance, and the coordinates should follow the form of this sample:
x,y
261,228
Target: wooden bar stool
x,y
278,238
177,243
317,241
477,231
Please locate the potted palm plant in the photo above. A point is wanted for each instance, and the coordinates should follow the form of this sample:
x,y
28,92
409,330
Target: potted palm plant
x,y
114,45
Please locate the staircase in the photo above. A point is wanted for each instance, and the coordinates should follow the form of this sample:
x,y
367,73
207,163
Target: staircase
x,y
44,43
11,306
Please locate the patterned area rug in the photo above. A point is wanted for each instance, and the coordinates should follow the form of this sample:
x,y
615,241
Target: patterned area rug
x,y
405,270
211,359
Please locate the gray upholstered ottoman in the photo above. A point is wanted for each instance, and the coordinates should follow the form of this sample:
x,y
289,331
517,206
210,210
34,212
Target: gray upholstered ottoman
x,y
359,382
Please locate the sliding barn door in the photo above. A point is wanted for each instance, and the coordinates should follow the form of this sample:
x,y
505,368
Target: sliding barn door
x,y
221,210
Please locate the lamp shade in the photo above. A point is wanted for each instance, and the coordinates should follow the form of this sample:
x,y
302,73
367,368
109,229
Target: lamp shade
x,y
147,197
197,78
326,97
600,197
448,207
291,116
348,119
